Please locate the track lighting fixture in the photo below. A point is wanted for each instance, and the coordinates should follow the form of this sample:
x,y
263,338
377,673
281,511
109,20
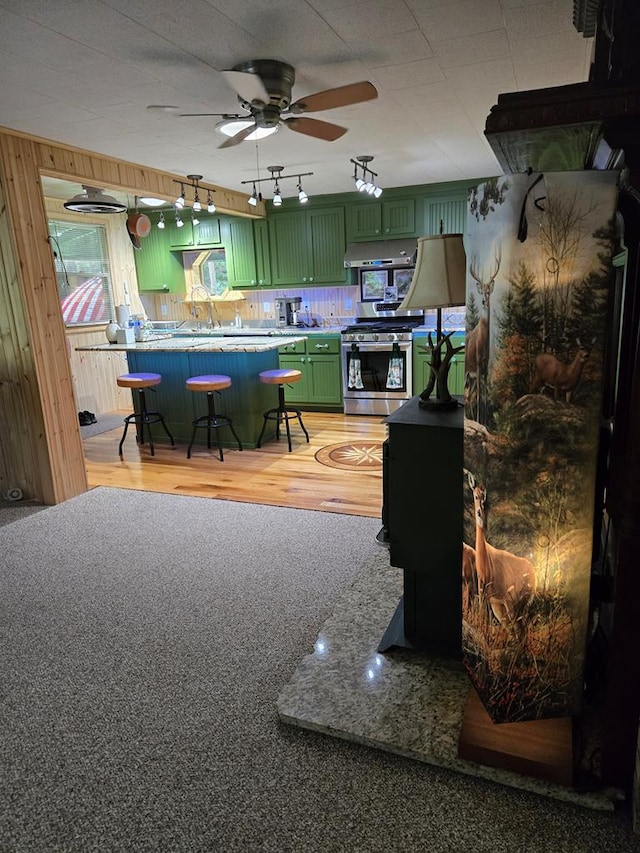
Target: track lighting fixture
x,y
364,183
161,221
194,219
276,177
195,186
179,222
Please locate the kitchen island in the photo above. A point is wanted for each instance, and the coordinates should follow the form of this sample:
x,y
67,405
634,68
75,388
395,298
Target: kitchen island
x,y
241,357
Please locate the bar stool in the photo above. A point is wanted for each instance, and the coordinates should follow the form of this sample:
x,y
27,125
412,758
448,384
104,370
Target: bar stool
x,y
141,382
281,413
211,383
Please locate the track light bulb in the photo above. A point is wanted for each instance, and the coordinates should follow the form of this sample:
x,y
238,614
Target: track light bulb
x,y
179,202
161,221
377,192
277,198
359,184
179,222
195,220
196,204
302,196
210,205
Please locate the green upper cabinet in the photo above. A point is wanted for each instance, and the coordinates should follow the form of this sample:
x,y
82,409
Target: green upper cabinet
x,y
247,253
308,246
381,219
452,212
156,267
205,234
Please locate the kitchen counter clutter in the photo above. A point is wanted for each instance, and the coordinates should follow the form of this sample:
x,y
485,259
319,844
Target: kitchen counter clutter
x,y
211,342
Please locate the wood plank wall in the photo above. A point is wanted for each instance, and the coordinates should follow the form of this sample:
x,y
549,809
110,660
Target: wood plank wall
x,y
39,432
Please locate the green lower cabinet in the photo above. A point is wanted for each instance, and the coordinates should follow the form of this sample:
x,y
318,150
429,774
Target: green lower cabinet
x,y
318,359
422,371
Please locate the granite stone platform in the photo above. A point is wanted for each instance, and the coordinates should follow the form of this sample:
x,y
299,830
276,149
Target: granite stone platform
x,y
401,701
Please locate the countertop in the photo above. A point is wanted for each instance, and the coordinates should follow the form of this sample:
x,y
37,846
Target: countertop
x,y
243,343
249,331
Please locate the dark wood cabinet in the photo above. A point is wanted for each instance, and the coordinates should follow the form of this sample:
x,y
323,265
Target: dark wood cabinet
x,y
423,506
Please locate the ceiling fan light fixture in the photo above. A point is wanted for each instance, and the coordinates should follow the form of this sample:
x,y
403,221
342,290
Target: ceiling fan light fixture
x,y
92,200
231,126
151,202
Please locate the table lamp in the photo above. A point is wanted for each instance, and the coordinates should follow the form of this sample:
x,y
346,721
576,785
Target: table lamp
x,y
439,281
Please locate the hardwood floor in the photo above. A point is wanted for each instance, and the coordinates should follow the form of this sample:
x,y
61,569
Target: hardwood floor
x,y
270,475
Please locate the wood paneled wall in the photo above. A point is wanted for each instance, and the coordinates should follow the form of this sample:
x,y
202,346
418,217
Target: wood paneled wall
x,y
41,448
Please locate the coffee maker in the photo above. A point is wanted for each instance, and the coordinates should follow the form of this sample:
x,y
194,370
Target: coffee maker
x,y
287,311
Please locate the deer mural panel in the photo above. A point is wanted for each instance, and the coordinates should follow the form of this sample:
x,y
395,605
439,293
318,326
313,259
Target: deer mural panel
x,y
505,580
478,341
559,377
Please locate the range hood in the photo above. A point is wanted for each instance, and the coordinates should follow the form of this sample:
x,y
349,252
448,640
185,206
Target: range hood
x,y
382,253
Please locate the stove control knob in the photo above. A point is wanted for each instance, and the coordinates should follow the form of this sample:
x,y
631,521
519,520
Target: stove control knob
x,y
348,337
375,337
393,337
361,337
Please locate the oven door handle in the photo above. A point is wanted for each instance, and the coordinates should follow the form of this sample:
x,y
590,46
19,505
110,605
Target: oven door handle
x,y
372,346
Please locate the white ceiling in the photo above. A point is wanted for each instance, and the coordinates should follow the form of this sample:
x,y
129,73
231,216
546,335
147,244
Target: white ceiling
x,y
83,72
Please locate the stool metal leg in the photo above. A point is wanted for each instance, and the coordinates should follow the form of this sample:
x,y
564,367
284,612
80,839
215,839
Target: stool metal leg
x,y
141,418
213,421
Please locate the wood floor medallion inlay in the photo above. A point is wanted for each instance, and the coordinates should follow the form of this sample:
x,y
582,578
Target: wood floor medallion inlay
x,y
363,455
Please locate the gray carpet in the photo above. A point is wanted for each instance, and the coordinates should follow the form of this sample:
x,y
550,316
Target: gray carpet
x,y
104,423
145,638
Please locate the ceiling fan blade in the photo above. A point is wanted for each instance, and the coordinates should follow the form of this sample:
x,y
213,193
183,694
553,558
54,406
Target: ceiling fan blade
x,y
315,127
342,96
239,137
249,86
223,115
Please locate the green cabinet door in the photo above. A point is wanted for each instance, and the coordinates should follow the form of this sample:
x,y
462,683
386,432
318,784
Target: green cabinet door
x,y
328,245
180,238
307,247
389,219
241,257
297,392
399,218
318,359
207,233
157,268
452,213
263,256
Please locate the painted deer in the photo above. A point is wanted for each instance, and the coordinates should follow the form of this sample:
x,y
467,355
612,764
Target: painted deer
x,y
478,339
505,580
561,378
469,576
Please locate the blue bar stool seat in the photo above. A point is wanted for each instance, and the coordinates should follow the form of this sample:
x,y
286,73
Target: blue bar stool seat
x,y
211,383
141,417
281,414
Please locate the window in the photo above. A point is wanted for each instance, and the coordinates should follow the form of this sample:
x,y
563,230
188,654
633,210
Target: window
x,y
83,274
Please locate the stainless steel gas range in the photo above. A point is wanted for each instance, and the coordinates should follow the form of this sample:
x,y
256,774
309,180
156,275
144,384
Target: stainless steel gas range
x,y
376,358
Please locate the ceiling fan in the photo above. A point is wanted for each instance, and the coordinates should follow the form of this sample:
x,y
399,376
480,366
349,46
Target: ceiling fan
x,y
263,87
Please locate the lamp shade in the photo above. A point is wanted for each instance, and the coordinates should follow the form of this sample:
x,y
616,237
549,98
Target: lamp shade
x,y
439,279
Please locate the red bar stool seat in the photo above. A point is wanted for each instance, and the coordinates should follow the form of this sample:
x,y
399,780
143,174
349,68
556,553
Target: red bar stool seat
x,y
141,417
281,414
211,383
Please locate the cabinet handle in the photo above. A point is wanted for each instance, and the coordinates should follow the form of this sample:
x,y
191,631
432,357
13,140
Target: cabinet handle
x,y
322,346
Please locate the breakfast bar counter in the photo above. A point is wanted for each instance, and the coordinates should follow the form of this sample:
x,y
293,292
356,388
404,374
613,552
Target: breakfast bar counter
x,y
177,358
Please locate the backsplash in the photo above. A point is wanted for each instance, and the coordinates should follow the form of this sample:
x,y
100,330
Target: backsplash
x,y
328,306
